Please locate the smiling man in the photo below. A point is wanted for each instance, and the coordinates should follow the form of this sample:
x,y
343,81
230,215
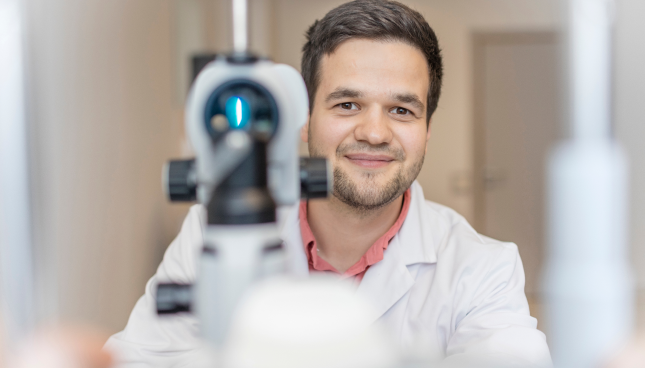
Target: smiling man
x,y
373,71
370,118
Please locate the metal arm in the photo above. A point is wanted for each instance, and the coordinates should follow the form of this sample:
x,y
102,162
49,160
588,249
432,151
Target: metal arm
x,y
240,26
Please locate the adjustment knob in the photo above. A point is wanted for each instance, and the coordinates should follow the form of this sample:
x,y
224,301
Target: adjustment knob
x,y
180,181
174,298
315,177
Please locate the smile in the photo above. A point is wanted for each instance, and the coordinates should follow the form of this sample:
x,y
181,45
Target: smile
x,y
369,161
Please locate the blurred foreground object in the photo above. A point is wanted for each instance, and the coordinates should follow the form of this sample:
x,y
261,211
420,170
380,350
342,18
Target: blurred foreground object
x,y
243,118
16,288
588,284
63,347
317,322
51,348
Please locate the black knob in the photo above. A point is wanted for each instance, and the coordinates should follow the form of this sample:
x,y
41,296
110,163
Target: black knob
x,y
180,180
315,178
174,298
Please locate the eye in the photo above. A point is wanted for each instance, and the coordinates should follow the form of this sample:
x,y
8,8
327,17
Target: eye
x,y
400,111
348,106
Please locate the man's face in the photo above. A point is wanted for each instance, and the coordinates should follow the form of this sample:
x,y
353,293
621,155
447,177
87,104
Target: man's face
x,y
369,120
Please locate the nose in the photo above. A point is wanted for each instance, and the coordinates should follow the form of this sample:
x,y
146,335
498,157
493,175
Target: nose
x,y
374,128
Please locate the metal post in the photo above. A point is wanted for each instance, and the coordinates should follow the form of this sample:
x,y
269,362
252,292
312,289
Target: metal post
x,y
240,26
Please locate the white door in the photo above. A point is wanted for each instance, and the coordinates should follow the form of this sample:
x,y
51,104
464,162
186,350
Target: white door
x,y
516,122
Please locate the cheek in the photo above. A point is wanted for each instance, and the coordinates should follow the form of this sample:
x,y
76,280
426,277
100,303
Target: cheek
x,y
328,133
413,141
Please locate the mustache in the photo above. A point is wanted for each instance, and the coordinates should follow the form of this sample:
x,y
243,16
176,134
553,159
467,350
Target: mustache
x,y
356,147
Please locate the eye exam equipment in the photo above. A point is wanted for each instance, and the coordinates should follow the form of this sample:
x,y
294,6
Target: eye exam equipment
x,y
243,117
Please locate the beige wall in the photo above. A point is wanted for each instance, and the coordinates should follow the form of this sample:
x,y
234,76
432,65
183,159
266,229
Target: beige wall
x,y
103,122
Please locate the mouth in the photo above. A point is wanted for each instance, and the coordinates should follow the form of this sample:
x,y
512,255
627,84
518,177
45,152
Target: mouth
x,y
369,161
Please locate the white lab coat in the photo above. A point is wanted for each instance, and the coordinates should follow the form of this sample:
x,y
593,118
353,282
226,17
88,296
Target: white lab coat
x,y
440,284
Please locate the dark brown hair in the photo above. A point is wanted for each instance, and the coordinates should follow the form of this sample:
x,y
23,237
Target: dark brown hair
x,y
374,20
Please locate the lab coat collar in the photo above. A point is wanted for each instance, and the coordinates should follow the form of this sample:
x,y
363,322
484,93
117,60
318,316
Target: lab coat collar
x,y
387,281
422,230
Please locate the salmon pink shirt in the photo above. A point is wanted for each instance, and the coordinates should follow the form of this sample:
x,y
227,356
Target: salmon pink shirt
x,y
373,255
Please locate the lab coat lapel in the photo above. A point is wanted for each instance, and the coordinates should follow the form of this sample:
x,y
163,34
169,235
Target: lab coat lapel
x,y
422,230
389,280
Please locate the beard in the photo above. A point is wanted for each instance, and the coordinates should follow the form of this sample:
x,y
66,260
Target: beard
x,y
370,194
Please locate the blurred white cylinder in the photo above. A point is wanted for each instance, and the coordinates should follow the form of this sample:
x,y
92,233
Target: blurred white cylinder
x,y
15,237
589,58
587,280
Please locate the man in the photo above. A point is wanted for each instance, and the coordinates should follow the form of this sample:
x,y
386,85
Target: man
x,y
373,71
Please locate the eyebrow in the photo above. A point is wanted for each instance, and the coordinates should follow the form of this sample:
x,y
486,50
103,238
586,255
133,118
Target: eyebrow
x,y
409,98
341,93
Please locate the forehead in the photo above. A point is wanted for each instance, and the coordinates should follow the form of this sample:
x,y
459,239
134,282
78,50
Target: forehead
x,y
375,67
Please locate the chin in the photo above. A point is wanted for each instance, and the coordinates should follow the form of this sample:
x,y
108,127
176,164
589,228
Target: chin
x,y
369,178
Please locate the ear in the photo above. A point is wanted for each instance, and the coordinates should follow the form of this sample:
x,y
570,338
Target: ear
x,y
304,131
428,133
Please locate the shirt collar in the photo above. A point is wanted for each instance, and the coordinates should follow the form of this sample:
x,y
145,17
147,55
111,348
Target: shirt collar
x,y
422,234
373,255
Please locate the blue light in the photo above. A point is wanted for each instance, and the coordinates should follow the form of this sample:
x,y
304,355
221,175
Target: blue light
x,y
237,112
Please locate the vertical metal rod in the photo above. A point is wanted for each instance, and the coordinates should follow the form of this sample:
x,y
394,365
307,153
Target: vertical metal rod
x,y
16,271
240,26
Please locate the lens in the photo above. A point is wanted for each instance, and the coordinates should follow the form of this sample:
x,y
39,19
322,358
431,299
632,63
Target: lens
x,y
237,112
241,105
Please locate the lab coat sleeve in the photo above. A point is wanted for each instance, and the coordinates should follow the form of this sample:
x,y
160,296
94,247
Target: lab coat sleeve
x,y
497,329
151,341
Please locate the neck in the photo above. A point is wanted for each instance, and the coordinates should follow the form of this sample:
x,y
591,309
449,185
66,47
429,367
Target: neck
x,y
343,233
